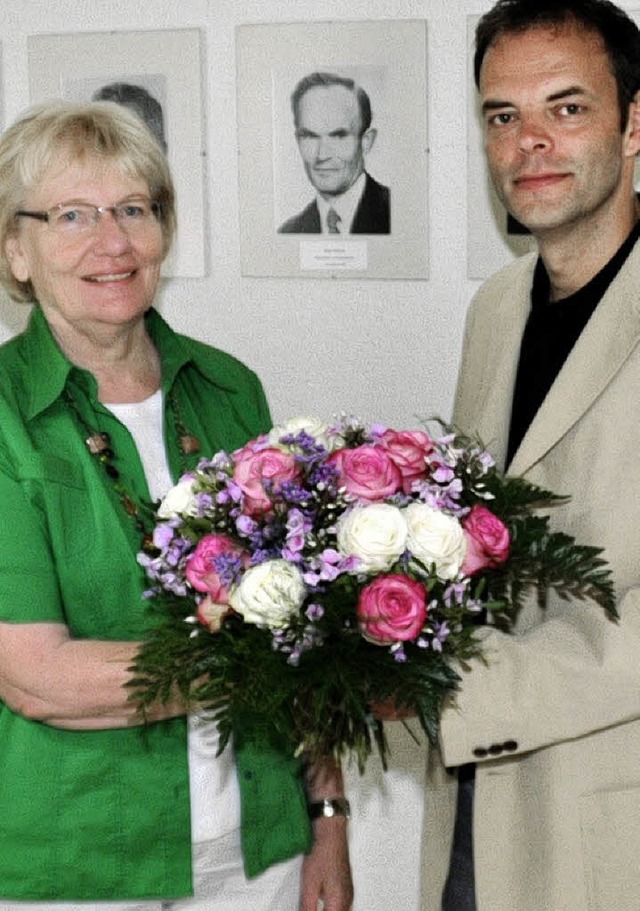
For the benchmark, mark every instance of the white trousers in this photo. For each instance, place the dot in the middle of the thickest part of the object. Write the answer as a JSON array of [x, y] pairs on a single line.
[[219, 885]]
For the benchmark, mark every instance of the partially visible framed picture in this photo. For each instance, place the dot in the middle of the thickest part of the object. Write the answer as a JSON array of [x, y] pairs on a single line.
[[285, 172], [494, 238], [155, 73]]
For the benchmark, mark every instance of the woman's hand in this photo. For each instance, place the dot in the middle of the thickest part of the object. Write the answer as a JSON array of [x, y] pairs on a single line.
[[326, 871]]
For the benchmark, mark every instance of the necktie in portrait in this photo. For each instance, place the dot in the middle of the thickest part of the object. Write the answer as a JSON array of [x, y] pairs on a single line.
[[333, 220]]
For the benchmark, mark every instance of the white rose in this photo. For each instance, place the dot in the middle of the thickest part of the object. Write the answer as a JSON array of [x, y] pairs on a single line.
[[376, 534], [313, 426], [435, 538], [269, 594], [180, 500]]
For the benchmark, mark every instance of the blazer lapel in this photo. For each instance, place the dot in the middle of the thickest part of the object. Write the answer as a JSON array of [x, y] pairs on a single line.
[[606, 342], [490, 356]]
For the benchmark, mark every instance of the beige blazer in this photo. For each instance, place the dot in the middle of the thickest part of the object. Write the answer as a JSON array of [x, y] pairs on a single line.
[[553, 719]]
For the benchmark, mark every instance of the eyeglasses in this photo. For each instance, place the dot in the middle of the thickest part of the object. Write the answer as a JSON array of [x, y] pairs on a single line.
[[71, 218]]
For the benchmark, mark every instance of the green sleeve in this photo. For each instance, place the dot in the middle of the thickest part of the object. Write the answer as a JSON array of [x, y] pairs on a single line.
[[29, 591]]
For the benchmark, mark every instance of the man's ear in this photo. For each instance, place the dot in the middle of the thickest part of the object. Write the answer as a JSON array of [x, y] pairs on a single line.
[[17, 260], [632, 131], [368, 139]]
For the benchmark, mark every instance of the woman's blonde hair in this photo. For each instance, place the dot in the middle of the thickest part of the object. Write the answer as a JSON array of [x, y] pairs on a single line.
[[100, 131]]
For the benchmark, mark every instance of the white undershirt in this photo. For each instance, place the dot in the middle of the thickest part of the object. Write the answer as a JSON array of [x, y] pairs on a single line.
[[215, 800]]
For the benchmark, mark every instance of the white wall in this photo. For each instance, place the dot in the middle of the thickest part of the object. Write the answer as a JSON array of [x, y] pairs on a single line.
[[384, 350], [380, 349]]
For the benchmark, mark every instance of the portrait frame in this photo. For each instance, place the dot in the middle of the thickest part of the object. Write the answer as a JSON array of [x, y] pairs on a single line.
[[389, 59], [167, 62], [493, 238]]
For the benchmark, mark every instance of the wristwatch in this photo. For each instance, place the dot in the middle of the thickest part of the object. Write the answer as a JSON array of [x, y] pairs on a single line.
[[330, 806]]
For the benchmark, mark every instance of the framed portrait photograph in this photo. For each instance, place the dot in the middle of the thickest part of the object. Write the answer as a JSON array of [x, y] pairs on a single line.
[[158, 75], [332, 140]]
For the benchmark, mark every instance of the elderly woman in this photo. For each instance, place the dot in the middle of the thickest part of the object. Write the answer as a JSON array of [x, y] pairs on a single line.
[[102, 406]]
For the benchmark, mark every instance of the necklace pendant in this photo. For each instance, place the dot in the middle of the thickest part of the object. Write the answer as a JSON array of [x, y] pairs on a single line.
[[147, 544], [97, 443], [129, 506], [189, 444]]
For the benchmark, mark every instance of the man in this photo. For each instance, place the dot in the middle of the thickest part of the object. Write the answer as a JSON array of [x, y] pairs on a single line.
[[332, 117], [550, 378]]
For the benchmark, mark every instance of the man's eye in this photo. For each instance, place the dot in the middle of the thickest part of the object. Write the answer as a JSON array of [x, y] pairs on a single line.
[[501, 119], [570, 110]]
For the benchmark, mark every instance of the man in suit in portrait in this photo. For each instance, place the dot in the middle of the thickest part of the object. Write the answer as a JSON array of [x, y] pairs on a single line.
[[332, 118], [550, 378]]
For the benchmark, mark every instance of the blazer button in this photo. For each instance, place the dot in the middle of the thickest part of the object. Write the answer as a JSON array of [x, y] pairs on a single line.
[[511, 746], [496, 749], [480, 752]]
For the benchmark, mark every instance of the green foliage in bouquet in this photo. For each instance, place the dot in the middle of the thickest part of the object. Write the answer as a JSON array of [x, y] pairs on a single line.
[[322, 574]]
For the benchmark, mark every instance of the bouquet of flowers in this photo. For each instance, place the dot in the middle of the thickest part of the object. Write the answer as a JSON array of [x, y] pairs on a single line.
[[323, 570]]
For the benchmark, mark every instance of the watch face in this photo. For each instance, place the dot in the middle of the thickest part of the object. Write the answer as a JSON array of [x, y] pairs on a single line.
[[330, 806]]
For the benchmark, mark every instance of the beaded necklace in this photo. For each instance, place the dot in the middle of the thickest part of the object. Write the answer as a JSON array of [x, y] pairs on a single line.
[[98, 443]]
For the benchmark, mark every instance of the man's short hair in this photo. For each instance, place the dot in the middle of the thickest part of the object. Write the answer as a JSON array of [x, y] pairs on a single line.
[[138, 99], [313, 80], [619, 33]]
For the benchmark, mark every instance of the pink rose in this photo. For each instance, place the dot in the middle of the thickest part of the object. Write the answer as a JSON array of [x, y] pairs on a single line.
[[391, 609], [200, 568], [367, 472], [408, 450], [211, 614], [254, 468], [488, 540]]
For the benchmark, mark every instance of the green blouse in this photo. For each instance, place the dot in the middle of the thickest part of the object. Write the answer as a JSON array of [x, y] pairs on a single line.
[[97, 815]]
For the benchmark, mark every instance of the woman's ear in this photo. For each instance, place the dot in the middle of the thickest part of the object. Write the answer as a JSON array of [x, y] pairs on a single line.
[[15, 254]]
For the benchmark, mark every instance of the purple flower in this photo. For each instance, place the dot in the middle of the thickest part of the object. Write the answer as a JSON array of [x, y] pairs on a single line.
[[443, 474], [377, 431], [441, 633], [204, 502], [293, 492], [324, 476], [397, 650], [246, 525], [327, 566], [297, 526], [229, 567], [314, 612], [486, 461], [162, 535], [454, 594]]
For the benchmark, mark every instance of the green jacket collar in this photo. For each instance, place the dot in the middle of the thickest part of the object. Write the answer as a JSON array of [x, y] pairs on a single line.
[[50, 369]]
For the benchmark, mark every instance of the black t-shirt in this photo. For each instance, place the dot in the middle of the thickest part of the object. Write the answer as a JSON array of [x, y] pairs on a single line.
[[551, 331]]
